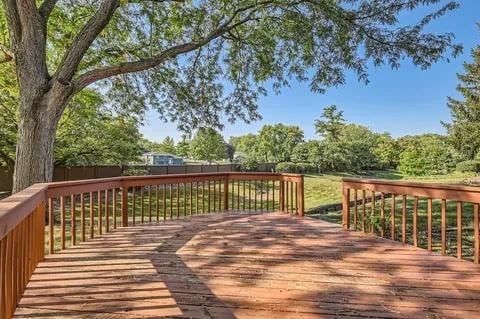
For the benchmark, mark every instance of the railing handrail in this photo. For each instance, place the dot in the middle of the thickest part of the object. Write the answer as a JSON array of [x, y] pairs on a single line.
[[428, 190], [16, 207]]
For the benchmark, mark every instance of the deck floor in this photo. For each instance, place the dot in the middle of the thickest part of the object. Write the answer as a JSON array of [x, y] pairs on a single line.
[[240, 265]]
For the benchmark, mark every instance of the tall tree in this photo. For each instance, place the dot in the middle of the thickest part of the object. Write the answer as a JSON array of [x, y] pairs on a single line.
[[464, 130], [167, 145], [331, 124], [276, 142], [174, 56], [183, 148], [208, 145]]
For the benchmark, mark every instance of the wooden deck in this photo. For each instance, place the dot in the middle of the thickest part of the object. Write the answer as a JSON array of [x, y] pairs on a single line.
[[237, 265]]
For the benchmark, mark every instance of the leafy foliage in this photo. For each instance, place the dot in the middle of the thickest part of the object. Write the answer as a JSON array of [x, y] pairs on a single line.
[[464, 130], [209, 145], [468, 166], [426, 154]]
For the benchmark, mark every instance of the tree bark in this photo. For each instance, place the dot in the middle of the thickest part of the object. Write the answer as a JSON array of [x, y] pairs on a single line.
[[34, 154]]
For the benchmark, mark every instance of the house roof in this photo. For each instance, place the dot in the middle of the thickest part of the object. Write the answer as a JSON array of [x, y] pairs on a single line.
[[162, 154]]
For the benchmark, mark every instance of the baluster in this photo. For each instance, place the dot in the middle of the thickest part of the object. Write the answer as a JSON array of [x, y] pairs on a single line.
[[429, 224], [134, 204], [249, 195], [157, 202], [73, 219], [82, 216], [107, 213], [261, 195], [444, 227], [149, 203], [90, 204], [476, 234], [114, 207], [459, 229], [203, 197], [171, 201], [51, 229], [178, 200], [372, 226], [392, 216], [268, 195], [273, 196], [164, 201], [415, 221], [214, 196], [382, 214], [364, 211], [404, 219], [62, 222], [355, 209], [99, 211], [291, 198], [208, 199], [184, 199], [197, 199], [191, 198], [243, 201], [142, 205]]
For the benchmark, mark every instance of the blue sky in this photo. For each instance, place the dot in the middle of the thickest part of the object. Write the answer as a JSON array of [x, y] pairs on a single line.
[[404, 101]]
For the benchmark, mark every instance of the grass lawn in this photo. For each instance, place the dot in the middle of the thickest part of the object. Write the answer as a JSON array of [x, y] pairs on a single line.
[[325, 188]]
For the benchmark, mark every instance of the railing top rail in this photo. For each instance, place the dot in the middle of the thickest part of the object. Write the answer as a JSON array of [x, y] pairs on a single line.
[[412, 184], [430, 190], [15, 208]]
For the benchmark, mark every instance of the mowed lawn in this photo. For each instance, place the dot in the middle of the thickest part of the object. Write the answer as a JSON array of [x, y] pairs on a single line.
[[324, 189]]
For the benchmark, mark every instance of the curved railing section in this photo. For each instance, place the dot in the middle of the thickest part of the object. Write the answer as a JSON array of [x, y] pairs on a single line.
[[47, 218], [440, 218]]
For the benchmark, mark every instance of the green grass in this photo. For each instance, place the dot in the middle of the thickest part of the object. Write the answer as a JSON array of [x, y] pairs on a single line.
[[325, 189]]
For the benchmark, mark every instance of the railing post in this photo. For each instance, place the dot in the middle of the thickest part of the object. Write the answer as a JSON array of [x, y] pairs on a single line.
[[225, 193], [345, 206], [300, 196], [281, 196], [124, 206]]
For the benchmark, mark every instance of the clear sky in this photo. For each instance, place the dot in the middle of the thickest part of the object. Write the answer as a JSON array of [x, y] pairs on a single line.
[[403, 101]]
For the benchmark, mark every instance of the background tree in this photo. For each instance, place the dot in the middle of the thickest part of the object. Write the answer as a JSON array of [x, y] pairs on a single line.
[[174, 56], [183, 148], [167, 146], [276, 142], [464, 130], [331, 124], [426, 154], [208, 145]]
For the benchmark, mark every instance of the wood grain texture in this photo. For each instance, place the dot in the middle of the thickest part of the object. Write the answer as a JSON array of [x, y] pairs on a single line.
[[243, 265]]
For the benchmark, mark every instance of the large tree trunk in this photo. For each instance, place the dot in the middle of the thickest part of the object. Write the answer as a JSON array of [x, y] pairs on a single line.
[[34, 154]]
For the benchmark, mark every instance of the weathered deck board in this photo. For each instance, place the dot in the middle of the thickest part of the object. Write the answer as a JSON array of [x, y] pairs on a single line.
[[236, 265]]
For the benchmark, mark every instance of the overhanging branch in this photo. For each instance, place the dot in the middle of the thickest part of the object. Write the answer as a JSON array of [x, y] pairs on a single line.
[[141, 65]]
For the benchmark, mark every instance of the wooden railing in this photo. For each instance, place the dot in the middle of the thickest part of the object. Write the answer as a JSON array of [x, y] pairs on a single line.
[[440, 218], [46, 218]]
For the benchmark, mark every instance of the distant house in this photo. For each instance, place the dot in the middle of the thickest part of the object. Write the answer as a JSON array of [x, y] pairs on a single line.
[[152, 158]]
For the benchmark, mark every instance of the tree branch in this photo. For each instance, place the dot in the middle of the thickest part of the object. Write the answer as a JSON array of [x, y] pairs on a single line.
[[135, 66], [46, 8], [84, 39], [13, 20]]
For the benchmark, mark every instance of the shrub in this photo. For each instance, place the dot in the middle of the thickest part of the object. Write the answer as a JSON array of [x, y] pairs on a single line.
[[468, 166], [135, 171], [249, 165], [299, 168]]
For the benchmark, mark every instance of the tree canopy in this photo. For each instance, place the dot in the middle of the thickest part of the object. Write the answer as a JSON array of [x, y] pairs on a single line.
[[464, 130], [177, 56], [208, 145]]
